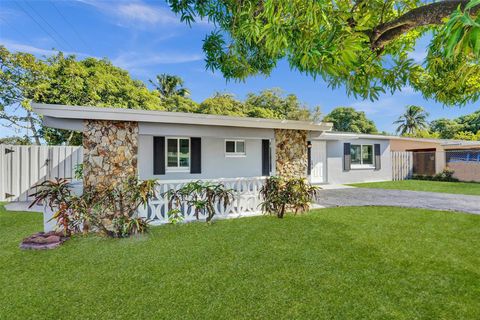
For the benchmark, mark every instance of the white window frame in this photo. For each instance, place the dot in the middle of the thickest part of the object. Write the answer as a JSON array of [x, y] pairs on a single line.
[[178, 168], [235, 154], [362, 165]]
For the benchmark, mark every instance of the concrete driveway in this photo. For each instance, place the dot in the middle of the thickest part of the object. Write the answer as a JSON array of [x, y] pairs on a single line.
[[398, 198]]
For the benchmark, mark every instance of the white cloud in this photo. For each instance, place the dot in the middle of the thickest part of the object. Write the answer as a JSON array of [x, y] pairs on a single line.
[[136, 14], [386, 106], [22, 47], [135, 60]]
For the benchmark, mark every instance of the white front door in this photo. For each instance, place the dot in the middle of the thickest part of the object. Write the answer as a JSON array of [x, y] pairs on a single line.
[[319, 161]]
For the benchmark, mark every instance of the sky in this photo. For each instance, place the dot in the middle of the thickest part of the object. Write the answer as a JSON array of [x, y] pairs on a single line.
[[146, 38]]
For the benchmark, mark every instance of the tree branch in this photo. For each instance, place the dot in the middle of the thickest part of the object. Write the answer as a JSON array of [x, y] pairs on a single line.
[[430, 14]]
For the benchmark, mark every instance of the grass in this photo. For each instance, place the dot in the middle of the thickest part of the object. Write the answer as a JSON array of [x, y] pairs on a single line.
[[471, 188], [341, 263]]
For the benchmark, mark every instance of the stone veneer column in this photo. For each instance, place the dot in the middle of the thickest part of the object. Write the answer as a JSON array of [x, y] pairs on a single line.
[[109, 152], [291, 153]]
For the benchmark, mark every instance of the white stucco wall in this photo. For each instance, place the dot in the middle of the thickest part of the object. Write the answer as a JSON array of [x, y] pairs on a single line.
[[215, 164], [336, 174]]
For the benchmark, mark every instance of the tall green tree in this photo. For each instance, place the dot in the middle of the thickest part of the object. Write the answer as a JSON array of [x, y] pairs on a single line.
[[169, 86], [223, 104], [61, 79], [347, 119], [470, 122], [412, 121], [273, 103], [269, 103], [360, 45], [446, 128]]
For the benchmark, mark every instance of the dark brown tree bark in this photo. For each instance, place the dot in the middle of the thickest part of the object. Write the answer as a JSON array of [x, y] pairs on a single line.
[[430, 14]]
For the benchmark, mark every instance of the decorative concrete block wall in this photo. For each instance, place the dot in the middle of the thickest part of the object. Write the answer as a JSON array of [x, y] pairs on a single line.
[[291, 153], [110, 152]]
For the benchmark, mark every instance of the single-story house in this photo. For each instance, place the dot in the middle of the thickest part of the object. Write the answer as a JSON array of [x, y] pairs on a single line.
[[174, 146]]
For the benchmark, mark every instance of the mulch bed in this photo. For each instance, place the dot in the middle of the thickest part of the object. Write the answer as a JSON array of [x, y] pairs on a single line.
[[42, 241]]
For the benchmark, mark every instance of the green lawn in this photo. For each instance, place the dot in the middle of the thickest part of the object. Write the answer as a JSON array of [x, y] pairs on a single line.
[[422, 185], [342, 263]]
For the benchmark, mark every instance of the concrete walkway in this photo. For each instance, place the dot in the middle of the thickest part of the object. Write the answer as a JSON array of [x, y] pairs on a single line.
[[22, 206], [399, 198]]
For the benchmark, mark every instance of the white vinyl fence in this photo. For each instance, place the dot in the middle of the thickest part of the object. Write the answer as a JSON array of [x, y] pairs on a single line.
[[21, 167], [402, 165], [246, 200]]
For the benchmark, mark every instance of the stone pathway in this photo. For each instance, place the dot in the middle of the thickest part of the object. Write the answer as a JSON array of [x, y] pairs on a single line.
[[399, 198]]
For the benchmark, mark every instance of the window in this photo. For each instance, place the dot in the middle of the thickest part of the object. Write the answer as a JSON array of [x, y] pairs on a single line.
[[235, 148], [178, 154], [362, 155]]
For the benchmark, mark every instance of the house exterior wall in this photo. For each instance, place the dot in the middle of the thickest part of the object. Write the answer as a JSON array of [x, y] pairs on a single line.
[[291, 153], [336, 174], [409, 145], [466, 171], [215, 163], [110, 152]]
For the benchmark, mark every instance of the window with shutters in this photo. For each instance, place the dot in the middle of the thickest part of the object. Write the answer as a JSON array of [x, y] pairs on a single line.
[[362, 156], [178, 154], [235, 148]]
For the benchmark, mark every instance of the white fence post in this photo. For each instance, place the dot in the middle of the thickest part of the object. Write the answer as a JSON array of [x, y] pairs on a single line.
[[402, 165], [21, 167]]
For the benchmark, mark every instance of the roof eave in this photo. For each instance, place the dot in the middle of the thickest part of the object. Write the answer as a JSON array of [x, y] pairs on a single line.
[[119, 114]]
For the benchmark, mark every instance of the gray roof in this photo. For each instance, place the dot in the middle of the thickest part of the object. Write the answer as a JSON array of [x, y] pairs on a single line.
[[68, 113]]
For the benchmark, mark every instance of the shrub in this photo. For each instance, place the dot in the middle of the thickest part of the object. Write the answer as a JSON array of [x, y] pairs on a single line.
[[118, 206], [56, 194], [175, 216], [281, 195], [446, 175], [201, 196], [112, 210]]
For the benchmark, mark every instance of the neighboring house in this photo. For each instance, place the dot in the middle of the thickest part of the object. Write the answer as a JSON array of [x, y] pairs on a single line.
[[431, 156]]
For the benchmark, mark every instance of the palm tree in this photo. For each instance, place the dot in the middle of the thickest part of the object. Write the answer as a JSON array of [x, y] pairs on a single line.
[[413, 120], [169, 86]]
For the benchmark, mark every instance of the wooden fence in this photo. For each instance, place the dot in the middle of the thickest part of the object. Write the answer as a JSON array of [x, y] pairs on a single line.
[[21, 167], [402, 165]]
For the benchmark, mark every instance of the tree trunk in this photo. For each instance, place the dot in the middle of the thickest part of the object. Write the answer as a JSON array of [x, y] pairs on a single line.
[[33, 128]]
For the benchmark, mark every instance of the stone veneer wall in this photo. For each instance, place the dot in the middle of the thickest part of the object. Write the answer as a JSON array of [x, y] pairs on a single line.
[[110, 152], [291, 153]]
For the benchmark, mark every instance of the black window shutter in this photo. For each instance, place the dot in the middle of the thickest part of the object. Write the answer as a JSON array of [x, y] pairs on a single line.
[[265, 157], [378, 162], [195, 155], [309, 157], [158, 155], [347, 158]]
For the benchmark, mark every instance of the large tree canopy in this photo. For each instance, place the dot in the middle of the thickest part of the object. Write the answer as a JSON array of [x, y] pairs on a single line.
[[363, 45], [464, 127], [347, 119], [269, 103], [63, 79]]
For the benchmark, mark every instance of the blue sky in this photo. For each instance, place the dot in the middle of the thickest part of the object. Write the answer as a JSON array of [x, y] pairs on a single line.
[[146, 38]]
